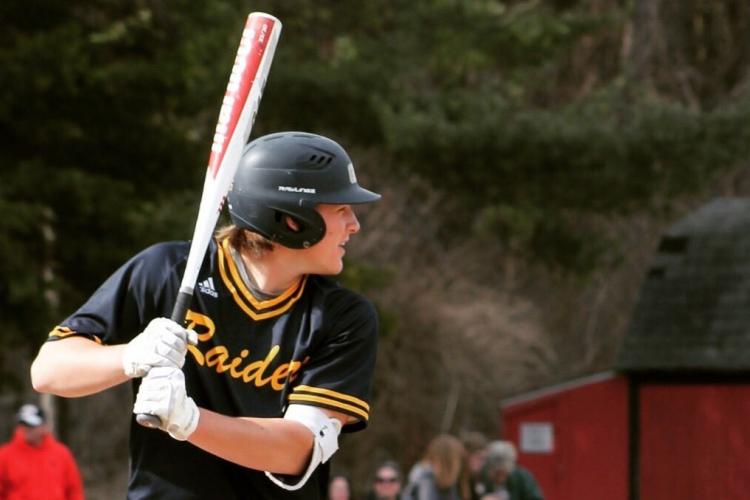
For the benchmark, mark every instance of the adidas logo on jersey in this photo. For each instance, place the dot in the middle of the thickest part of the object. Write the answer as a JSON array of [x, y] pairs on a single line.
[[207, 287]]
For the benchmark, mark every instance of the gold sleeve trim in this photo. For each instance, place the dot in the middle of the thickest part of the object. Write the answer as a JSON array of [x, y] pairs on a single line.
[[333, 394], [330, 403], [61, 332]]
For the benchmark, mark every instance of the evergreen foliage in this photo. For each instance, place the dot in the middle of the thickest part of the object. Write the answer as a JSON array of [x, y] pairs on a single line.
[[107, 109], [538, 120]]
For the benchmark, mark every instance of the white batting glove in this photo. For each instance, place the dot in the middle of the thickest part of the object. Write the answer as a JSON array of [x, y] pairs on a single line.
[[162, 343], [162, 394]]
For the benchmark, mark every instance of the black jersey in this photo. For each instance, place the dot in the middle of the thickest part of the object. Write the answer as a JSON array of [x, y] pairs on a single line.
[[314, 344]]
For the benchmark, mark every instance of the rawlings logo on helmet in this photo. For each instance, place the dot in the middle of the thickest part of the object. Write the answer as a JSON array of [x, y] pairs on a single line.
[[292, 189]]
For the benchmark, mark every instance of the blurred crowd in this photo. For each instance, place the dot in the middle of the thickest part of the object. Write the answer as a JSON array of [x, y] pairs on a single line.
[[469, 468], [451, 468]]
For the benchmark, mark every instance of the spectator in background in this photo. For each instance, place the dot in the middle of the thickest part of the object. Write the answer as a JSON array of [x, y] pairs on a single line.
[[339, 487], [438, 475], [476, 453], [504, 479], [35, 465], [386, 483]]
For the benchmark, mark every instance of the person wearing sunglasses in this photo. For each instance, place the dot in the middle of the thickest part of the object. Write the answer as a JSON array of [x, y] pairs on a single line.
[[386, 482]]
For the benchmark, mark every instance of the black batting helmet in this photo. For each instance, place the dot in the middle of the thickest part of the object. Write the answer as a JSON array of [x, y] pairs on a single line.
[[288, 173]]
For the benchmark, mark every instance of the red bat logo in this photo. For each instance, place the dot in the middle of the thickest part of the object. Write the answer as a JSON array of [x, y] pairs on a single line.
[[249, 56]]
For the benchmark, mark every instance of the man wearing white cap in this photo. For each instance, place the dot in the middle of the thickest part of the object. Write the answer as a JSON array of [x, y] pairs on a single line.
[[33, 464]]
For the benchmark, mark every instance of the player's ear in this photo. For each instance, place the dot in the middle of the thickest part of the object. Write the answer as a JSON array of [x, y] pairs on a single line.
[[292, 224]]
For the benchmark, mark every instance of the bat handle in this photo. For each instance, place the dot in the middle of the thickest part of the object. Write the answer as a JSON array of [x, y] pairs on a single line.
[[146, 420], [181, 306], [178, 316]]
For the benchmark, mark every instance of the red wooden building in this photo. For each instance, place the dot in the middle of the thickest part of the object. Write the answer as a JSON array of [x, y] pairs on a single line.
[[672, 419]]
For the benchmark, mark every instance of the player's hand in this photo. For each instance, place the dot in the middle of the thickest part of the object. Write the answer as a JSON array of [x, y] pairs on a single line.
[[162, 393], [162, 343]]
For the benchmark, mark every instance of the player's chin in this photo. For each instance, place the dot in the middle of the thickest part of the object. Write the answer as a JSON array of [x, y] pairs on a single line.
[[334, 267]]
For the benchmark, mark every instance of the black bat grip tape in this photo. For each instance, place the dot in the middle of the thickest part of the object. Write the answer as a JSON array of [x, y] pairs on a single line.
[[178, 316], [181, 306]]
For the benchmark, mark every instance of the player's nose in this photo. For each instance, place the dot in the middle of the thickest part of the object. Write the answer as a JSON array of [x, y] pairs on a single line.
[[352, 223]]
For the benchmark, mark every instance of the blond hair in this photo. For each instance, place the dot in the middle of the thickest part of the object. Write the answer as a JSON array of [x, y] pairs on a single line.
[[445, 454], [244, 241]]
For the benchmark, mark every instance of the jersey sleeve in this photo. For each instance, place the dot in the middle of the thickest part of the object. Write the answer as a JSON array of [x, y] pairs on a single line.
[[339, 374], [122, 306]]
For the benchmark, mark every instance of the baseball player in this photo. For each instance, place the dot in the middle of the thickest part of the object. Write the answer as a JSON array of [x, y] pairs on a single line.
[[276, 359]]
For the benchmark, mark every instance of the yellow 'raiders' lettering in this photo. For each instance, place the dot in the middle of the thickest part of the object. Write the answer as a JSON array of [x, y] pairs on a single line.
[[235, 362], [216, 356], [286, 370], [204, 327], [220, 359]]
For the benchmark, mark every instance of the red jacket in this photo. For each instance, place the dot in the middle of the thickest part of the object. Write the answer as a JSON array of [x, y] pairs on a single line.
[[46, 472]]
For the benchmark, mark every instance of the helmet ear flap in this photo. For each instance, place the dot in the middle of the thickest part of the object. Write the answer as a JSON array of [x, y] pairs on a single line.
[[270, 220], [293, 223], [310, 226]]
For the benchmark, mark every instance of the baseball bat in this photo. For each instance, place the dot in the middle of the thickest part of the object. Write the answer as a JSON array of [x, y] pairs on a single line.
[[236, 117]]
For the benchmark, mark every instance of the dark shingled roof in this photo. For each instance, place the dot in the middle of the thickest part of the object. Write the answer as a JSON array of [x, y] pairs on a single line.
[[693, 312]]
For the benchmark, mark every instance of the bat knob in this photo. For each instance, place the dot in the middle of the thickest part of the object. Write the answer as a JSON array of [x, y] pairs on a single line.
[[150, 421]]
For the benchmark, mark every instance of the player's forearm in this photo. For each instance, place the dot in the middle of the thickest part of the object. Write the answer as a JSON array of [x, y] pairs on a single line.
[[268, 444], [76, 367]]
